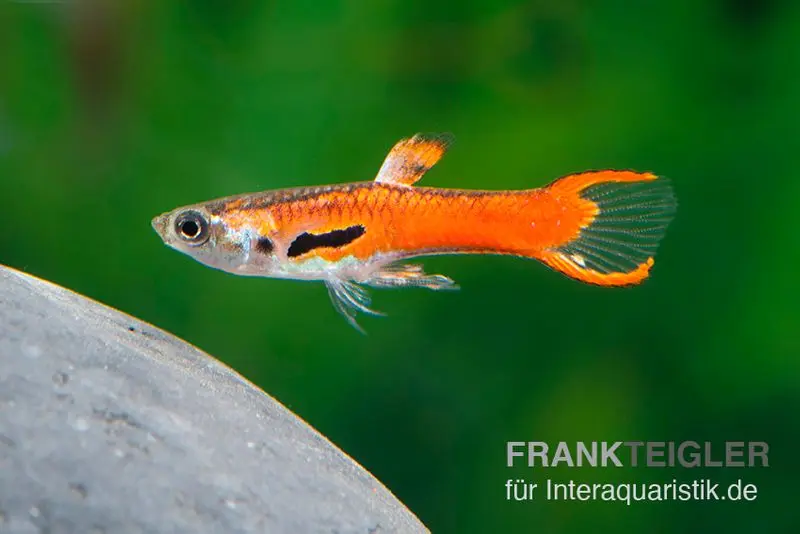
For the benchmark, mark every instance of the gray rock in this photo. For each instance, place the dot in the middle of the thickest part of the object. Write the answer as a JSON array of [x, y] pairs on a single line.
[[108, 424]]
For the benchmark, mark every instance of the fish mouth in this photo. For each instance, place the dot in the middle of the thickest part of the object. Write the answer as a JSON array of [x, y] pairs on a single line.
[[159, 224]]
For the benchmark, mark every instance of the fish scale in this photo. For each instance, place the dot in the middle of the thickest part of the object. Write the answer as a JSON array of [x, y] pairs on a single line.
[[598, 227]]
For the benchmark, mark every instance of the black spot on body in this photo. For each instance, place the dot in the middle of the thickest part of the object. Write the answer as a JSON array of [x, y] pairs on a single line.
[[306, 242], [264, 245]]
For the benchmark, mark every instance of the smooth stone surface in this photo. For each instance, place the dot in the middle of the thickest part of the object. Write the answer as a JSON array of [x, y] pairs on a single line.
[[110, 425]]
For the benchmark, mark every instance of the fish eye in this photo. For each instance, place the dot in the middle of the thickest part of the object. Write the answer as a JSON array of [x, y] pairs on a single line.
[[192, 227]]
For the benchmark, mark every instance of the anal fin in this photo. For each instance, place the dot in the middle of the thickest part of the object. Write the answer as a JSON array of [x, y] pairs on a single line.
[[350, 299], [409, 276]]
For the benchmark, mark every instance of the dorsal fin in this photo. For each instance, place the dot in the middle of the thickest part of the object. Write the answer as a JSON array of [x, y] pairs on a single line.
[[410, 158]]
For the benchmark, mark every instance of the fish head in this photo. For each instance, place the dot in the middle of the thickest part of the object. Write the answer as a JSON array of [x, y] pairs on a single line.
[[208, 236]]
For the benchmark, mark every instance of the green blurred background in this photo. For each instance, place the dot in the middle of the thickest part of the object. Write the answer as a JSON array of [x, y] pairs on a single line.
[[113, 112]]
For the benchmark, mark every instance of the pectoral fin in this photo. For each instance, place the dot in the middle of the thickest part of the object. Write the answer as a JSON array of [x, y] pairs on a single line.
[[410, 158]]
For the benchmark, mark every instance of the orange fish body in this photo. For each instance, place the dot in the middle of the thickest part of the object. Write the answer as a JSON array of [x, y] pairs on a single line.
[[597, 227]]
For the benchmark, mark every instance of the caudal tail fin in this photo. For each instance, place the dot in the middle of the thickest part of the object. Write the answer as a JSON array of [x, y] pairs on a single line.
[[626, 214]]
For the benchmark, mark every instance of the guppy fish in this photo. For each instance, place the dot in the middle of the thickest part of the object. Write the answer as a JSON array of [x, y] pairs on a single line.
[[599, 227]]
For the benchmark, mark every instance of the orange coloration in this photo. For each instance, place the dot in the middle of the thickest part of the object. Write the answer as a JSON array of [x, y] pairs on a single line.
[[409, 221], [411, 158], [575, 183], [600, 227], [570, 268]]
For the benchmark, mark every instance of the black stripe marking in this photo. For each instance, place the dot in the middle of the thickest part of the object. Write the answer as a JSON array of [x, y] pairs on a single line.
[[306, 242]]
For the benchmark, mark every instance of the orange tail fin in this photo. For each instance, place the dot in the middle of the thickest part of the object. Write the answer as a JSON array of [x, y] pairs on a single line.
[[626, 215]]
